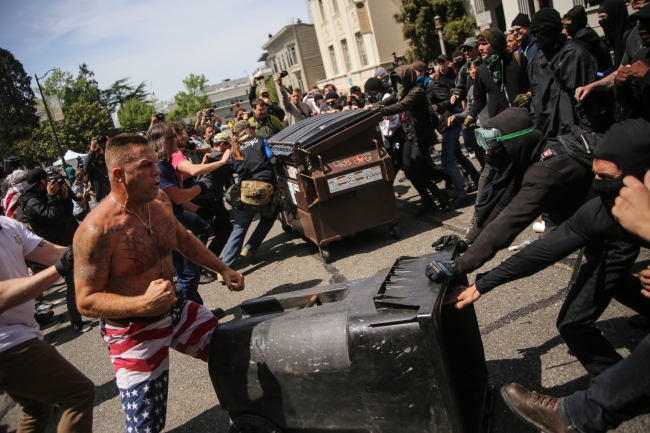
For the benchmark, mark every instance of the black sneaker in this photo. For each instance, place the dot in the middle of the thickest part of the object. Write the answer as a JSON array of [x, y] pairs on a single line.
[[43, 318], [81, 327], [460, 202]]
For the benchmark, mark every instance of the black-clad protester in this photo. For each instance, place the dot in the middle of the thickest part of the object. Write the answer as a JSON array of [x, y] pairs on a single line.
[[612, 18], [95, 166], [633, 82], [411, 99], [527, 42], [557, 70], [49, 211], [501, 81], [610, 252], [529, 176], [575, 23]]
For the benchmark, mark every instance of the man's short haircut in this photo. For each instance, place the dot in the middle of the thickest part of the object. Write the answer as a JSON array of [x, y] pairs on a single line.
[[257, 102], [190, 130], [296, 90], [330, 85], [158, 136], [178, 128], [119, 149]]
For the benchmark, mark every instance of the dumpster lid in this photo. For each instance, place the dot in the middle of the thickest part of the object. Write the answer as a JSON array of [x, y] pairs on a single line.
[[314, 129]]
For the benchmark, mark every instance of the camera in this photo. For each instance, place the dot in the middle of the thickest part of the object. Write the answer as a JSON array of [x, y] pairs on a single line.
[[283, 74], [160, 116], [54, 176], [101, 139], [396, 57], [259, 77], [190, 145]]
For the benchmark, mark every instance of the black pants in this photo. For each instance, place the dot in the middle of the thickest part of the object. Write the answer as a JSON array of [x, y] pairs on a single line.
[[221, 226], [605, 275], [71, 299], [415, 167]]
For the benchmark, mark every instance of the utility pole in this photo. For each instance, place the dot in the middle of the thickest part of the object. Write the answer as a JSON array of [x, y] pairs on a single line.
[[49, 116]]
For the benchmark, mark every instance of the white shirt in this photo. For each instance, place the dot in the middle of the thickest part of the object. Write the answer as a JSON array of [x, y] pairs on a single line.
[[16, 324]]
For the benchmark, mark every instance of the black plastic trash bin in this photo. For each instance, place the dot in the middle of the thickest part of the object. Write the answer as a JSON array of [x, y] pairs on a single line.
[[336, 177], [379, 354]]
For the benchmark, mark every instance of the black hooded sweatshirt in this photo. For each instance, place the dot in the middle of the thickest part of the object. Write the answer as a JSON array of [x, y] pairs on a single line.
[[634, 96], [615, 27], [514, 81], [625, 145], [589, 39], [412, 102]]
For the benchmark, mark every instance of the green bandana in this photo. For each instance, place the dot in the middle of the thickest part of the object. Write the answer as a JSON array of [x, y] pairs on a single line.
[[493, 64]]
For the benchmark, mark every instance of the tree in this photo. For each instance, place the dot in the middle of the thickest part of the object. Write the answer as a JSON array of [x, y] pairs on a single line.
[[119, 92], [273, 91], [135, 114], [193, 99], [17, 105], [417, 19], [57, 84]]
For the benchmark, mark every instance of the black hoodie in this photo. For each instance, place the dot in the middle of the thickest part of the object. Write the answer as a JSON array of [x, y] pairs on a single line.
[[589, 39], [615, 27]]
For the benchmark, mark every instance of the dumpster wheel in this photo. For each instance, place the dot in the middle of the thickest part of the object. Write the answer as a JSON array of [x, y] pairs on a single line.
[[325, 254], [253, 424], [393, 228]]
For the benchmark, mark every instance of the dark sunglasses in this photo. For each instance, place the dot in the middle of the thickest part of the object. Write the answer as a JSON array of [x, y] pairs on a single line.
[[440, 61], [465, 49]]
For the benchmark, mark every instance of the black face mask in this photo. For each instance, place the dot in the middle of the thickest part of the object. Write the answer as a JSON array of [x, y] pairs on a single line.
[[374, 97], [546, 40], [573, 28], [498, 158], [608, 190], [459, 64], [605, 24]]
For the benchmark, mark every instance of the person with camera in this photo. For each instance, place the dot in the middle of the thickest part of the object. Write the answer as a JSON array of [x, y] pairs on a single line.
[[95, 166], [310, 99], [294, 108], [47, 205], [157, 118], [206, 117], [252, 161], [271, 106], [266, 125], [332, 103], [32, 372], [81, 195], [356, 100]]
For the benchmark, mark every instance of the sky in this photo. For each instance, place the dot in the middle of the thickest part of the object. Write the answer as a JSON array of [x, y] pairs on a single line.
[[160, 42]]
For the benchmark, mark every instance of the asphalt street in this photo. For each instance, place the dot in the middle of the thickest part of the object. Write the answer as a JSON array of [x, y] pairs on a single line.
[[517, 322]]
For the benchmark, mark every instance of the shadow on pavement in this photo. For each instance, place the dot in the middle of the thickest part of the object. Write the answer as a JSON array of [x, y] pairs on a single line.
[[214, 420], [105, 392]]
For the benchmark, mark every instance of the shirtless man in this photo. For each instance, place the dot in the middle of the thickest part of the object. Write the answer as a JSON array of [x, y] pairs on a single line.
[[124, 273]]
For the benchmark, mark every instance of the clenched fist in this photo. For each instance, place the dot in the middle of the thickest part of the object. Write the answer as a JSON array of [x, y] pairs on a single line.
[[159, 297]]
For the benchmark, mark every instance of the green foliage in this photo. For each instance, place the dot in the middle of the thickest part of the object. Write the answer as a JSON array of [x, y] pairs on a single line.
[[135, 114], [121, 91], [57, 83], [17, 106], [192, 99], [418, 26]]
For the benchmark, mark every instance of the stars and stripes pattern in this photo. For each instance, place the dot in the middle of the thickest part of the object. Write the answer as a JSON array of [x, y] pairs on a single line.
[[140, 357]]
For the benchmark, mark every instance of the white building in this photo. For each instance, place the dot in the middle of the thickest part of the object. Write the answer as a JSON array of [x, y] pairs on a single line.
[[356, 37]]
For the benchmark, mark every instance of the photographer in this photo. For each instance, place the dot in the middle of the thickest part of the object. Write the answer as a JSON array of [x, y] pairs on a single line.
[[266, 125], [82, 193], [272, 107], [205, 118], [47, 205], [95, 166], [157, 118], [356, 99], [332, 103], [295, 109], [310, 97]]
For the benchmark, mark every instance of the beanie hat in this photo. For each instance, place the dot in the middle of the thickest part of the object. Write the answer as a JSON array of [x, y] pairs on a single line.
[[331, 95], [547, 17], [457, 54], [17, 176], [496, 38], [626, 145], [521, 20], [373, 84]]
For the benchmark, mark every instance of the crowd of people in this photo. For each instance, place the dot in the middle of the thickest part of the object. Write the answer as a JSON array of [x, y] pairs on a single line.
[[555, 116]]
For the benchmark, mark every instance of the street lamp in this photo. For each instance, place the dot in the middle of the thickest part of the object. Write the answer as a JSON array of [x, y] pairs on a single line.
[[49, 116], [438, 22]]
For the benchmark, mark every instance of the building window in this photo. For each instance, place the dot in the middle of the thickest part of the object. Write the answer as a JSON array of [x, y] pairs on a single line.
[[289, 60], [361, 47], [322, 10], [275, 67], [284, 65], [346, 54], [292, 54], [335, 6], [335, 66], [300, 84]]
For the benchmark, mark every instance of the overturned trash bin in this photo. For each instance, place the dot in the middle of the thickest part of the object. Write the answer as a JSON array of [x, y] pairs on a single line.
[[336, 177], [379, 354]]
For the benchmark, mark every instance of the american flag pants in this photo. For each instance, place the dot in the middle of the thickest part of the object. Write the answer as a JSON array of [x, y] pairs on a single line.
[[140, 357]]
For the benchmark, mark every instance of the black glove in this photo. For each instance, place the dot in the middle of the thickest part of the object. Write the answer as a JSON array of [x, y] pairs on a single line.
[[203, 186], [65, 263], [461, 244], [438, 271], [206, 214]]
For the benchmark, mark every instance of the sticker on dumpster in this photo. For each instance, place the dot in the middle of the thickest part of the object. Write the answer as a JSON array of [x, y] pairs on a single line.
[[292, 172], [351, 180], [293, 189]]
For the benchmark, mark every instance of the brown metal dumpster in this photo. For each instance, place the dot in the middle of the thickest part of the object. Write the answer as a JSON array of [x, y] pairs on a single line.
[[336, 177]]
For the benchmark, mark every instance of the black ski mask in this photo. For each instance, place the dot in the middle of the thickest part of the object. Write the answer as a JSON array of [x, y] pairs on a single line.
[[546, 25], [626, 145], [578, 17]]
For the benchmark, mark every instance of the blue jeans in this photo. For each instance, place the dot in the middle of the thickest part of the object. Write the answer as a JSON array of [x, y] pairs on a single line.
[[187, 272], [448, 158], [618, 394], [244, 215]]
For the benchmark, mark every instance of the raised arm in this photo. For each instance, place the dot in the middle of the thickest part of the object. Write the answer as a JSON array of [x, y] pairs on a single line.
[[197, 169]]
